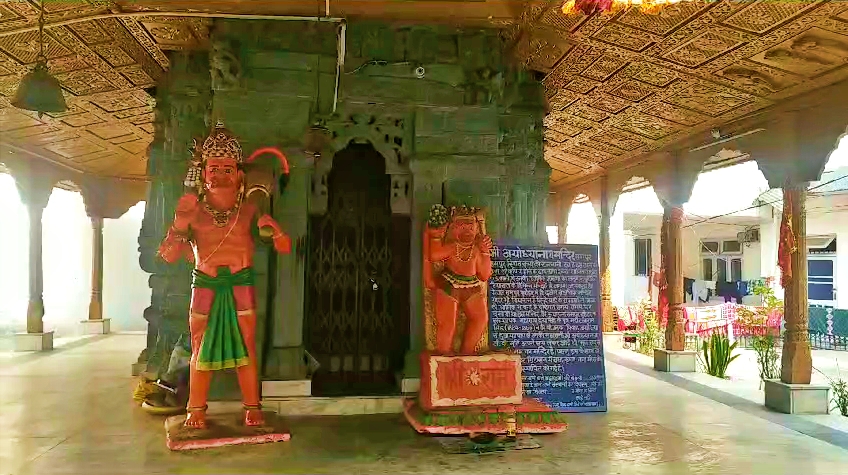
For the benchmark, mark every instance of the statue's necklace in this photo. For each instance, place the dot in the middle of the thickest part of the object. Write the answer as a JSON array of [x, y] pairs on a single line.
[[220, 218], [460, 249]]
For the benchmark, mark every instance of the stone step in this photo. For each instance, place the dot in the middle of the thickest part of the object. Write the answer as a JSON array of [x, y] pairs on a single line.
[[320, 406], [334, 406]]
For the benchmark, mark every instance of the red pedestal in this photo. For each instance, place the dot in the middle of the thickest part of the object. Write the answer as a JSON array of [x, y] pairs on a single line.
[[222, 430], [531, 417], [492, 379], [479, 393]]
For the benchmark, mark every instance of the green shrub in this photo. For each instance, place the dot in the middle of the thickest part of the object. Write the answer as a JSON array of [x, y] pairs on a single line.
[[648, 337], [768, 359], [839, 387], [717, 354]]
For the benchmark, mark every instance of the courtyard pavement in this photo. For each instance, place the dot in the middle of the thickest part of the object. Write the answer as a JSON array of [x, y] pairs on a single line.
[[71, 412]]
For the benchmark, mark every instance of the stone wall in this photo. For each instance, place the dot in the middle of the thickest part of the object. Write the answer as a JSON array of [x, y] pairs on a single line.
[[455, 123]]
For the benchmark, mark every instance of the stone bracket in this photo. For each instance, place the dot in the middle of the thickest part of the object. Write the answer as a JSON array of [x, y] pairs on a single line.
[[673, 176]]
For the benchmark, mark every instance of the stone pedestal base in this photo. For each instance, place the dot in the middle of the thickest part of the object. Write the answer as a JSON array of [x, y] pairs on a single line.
[[96, 327], [293, 388], [668, 361], [34, 341], [613, 340], [797, 398], [410, 385], [530, 417], [222, 430], [331, 406]]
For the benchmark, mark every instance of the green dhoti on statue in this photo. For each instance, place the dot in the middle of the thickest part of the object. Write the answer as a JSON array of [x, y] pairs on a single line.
[[222, 346]]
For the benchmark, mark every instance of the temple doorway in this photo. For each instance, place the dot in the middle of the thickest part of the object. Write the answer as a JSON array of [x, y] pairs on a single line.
[[357, 302]]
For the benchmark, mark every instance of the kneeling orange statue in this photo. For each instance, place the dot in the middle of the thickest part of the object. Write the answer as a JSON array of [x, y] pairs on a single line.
[[466, 388], [214, 230]]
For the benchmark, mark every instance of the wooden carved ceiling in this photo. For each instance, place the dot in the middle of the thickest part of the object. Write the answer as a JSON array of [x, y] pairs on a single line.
[[619, 86], [106, 67], [623, 85]]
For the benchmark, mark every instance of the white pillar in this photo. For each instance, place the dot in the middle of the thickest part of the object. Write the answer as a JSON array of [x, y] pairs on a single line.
[[618, 266]]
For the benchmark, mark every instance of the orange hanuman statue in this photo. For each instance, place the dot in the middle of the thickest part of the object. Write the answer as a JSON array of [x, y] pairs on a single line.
[[456, 268], [214, 230]]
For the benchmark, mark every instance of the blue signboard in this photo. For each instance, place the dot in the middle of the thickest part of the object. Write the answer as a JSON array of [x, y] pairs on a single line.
[[544, 302]]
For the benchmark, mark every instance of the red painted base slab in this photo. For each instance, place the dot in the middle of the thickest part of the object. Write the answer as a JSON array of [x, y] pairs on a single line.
[[492, 379], [532, 417], [223, 430]]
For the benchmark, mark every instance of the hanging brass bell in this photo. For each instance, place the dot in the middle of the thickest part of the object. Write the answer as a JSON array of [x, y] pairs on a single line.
[[39, 91]]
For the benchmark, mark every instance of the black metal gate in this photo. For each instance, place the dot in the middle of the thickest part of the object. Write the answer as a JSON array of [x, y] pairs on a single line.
[[357, 307]]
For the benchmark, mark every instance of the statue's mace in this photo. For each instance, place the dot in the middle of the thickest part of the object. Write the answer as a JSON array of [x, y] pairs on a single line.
[[284, 164], [264, 189]]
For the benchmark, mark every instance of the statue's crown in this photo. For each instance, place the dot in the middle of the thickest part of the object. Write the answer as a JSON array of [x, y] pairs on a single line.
[[221, 143], [465, 212]]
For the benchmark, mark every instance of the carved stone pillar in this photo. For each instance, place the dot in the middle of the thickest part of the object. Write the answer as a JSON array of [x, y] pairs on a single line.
[[791, 152], [796, 362], [607, 206], [286, 364], [182, 104], [95, 307], [675, 337], [35, 185], [673, 176], [427, 178], [105, 198], [96, 324], [35, 308]]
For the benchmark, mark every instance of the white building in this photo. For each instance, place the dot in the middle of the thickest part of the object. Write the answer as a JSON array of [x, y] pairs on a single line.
[[827, 226], [739, 246]]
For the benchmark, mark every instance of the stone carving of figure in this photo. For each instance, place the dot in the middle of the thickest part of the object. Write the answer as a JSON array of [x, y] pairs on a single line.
[[457, 266], [224, 66], [213, 230], [811, 50], [750, 78]]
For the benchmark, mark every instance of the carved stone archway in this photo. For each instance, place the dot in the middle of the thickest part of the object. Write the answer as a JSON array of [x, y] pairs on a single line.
[[389, 134]]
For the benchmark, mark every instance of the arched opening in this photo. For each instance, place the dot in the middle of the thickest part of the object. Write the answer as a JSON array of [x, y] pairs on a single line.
[[357, 299], [582, 222]]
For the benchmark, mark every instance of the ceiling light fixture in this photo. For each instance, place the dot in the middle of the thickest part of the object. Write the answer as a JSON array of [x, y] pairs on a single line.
[[38, 90]]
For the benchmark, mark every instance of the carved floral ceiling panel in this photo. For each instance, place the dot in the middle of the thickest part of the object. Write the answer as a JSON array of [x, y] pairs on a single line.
[[106, 67], [619, 85], [625, 84]]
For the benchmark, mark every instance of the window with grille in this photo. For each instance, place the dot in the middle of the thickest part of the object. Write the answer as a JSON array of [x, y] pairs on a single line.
[[643, 256]]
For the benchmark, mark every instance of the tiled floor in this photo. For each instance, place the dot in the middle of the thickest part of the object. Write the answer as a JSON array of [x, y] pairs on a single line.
[[70, 412]]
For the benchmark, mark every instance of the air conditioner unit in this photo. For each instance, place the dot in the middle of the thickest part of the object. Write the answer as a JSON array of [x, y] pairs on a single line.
[[749, 236]]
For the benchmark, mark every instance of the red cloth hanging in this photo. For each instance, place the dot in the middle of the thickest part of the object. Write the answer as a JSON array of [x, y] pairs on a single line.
[[787, 245]]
